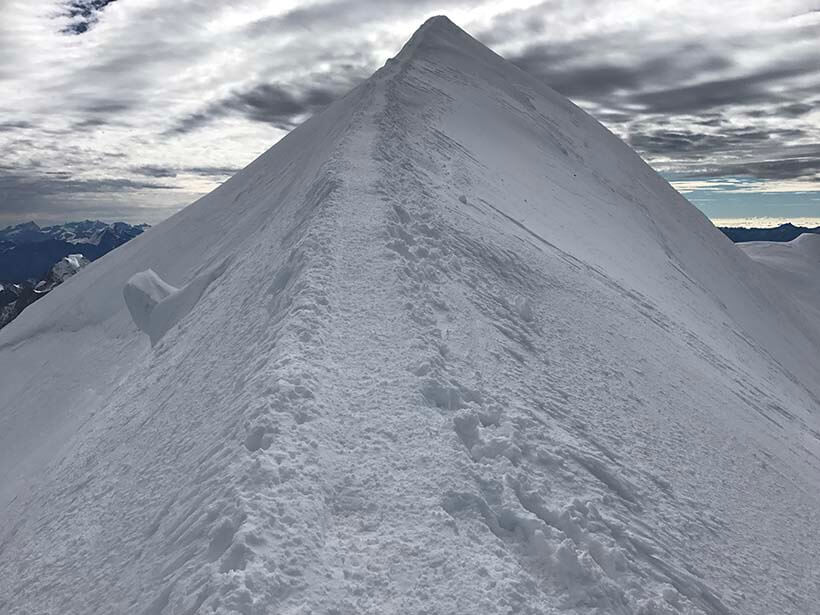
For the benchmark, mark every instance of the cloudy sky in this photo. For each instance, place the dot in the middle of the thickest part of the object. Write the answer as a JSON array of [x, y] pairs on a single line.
[[131, 109]]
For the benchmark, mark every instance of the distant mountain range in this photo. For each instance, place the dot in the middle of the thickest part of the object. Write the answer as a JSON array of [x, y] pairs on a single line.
[[28, 251], [34, 259], [784, 232]]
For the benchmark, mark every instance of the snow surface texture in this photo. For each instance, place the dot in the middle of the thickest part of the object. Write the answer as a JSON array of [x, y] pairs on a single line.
[[470, 355]]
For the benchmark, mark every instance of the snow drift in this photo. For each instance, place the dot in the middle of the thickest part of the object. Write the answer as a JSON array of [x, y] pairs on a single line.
[[469, 354], [156, 306], [794, 267]]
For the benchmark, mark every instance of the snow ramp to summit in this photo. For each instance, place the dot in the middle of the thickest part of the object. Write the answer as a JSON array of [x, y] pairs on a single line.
[[469, 354]]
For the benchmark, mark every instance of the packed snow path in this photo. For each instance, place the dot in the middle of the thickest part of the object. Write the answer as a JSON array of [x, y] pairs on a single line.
[[469, 355]]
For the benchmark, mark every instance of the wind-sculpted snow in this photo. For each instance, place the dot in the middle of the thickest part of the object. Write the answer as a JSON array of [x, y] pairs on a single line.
[[142, 293], [415, 388], [794, 267], [156, 306]]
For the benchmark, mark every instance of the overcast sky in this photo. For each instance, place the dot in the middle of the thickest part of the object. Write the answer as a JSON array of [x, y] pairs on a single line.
[[131, 109]]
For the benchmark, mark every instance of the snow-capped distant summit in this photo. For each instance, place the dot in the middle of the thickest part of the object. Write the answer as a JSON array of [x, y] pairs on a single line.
[[14, 298], [62, 269], [27, 231], [448, 347], [34, 260]]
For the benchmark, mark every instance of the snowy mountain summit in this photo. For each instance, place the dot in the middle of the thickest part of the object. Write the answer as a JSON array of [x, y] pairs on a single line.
[[448, 347]]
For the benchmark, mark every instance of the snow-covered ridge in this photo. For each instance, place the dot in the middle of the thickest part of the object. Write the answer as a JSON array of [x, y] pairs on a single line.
[[467, 353], [15, 298]]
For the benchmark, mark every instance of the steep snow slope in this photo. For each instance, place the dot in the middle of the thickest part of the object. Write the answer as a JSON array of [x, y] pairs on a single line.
[[414, 386]]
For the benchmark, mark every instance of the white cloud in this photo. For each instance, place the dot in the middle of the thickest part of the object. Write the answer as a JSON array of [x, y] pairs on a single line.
[[200, 83]]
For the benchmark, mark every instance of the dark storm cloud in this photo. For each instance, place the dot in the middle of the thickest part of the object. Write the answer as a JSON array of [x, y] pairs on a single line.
[[82, 14], [92, 122], [15, 186], [698, 144], [54, 196], [794, 109], [194, 121], [608, 116], [748, 89], [13, 126], [599, 62], [687, 142], [20, 191], [802, 167], [155, 171], [275, 105], [158, 171], [567, 69], [570, 69], [96, 113], [712, 121], [111, 106], [791, 110], [211, 171], [57, 196], [588, 82], [267, 103]]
